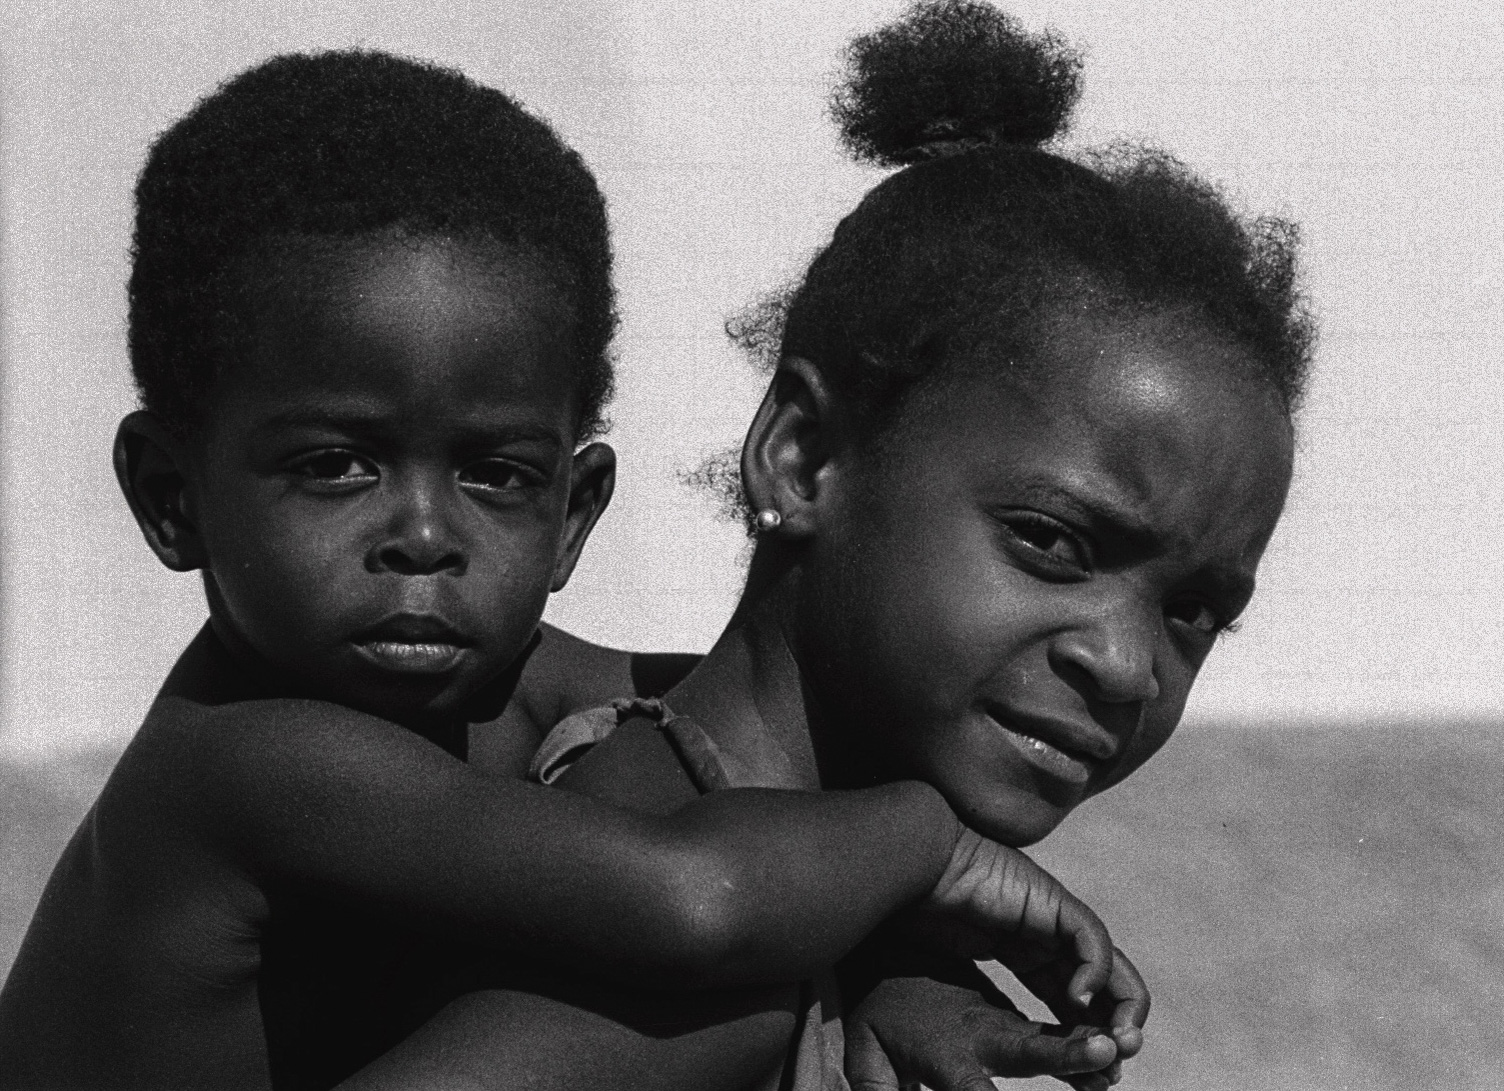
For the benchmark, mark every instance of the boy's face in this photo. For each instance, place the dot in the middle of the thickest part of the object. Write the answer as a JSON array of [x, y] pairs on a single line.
[[1019, 591], [385, 491]]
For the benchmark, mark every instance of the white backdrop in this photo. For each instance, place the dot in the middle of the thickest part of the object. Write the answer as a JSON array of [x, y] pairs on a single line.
[[1376, 125]]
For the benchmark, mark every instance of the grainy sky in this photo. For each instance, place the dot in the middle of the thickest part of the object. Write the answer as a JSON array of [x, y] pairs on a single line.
[[1377, 126]]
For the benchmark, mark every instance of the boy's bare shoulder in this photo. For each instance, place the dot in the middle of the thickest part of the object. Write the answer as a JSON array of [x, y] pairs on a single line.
[[218, 765]]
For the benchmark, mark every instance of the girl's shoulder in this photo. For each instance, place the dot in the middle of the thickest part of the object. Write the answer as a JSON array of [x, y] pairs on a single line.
[[630, 754], [565, 675]]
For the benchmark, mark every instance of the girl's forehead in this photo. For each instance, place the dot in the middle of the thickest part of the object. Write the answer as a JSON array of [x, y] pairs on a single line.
[[1153, 418], [1160, 376]]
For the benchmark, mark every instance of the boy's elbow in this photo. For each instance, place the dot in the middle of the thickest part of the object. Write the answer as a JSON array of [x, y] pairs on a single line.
[[715, 939]]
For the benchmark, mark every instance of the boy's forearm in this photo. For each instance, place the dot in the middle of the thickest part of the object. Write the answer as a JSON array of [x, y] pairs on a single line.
[[746, 886], [794, 881], [741, 886]]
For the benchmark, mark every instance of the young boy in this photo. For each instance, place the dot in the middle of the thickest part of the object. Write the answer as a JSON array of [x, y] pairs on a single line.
[[370, 311]]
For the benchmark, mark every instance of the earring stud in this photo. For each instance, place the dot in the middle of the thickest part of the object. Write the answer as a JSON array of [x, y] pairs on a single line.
[[768, 520]]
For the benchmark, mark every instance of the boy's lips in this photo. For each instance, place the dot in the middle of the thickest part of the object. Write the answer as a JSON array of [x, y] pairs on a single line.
[[412, 644], [1065, 752]]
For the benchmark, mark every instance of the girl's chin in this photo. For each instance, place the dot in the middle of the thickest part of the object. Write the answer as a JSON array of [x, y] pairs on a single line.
[[1017, 825]]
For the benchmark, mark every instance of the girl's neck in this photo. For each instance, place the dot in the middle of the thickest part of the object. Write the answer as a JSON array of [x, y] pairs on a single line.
[[750, 691]]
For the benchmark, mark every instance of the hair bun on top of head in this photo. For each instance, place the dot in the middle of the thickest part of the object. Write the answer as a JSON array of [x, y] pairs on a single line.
[[949, 76]]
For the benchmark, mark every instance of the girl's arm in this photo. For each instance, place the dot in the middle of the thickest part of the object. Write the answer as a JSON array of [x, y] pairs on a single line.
[[749, 886]]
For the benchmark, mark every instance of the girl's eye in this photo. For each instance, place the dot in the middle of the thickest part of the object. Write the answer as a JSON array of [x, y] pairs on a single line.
[[338, 468], [1052, 541], [1198, 615], [497, 475]]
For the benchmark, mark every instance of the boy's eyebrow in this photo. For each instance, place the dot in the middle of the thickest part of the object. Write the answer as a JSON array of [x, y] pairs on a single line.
[[355, 418]]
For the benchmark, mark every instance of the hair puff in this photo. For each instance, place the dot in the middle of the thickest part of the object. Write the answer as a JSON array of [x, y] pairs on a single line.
[[952, 75]]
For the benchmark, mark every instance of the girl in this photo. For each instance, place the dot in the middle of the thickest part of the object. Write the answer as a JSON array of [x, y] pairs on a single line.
[[1028, 436]]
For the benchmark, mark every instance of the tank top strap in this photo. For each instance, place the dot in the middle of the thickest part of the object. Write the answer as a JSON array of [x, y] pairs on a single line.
[[573, 737], [697, 752]]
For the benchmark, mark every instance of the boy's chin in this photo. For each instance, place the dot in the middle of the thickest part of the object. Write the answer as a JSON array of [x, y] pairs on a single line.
[[419, 700], [407, 702]]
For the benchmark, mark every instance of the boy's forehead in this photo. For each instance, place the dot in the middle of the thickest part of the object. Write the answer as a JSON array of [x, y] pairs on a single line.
[[408, 319], [406, 281]]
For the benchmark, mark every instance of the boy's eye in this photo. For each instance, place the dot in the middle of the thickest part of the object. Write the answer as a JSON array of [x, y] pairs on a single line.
[[1048, 540], [337, 468], [498, 475]]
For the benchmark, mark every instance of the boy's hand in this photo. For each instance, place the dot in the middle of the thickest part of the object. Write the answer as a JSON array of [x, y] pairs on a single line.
[[993, 902], [952, 1037]]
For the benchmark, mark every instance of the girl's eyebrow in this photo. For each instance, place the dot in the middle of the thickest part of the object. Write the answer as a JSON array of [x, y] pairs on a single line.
[[1232, 582], [1100, 513]]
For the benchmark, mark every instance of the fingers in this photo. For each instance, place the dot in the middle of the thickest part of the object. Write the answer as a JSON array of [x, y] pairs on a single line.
[[867, 1065], [1039, 1054], [1093, 1081], [1132, 1009], [1129, 1040], [970, 1079], [1093, 947], [1035, 1054]]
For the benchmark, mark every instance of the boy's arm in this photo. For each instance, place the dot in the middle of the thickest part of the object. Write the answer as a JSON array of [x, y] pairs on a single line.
[[736, 887], [564, 1035], [559, 1034]]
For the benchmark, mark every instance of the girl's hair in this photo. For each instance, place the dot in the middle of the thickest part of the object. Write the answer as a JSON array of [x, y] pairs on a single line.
[[340, 145], [982, 236]]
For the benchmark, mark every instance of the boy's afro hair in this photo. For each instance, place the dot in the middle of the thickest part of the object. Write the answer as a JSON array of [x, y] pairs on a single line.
[[339, 145]]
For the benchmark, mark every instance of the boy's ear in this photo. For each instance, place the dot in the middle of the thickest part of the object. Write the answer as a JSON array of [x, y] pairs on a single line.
[[787, 456], [149, 464], [592, 481]]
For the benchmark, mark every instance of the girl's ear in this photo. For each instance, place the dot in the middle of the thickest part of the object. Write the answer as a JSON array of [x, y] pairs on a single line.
[[150, 466], [786, 460], [592, 481]]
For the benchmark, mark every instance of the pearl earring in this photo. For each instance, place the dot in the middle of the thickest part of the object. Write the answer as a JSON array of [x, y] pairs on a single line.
[[768, 520]]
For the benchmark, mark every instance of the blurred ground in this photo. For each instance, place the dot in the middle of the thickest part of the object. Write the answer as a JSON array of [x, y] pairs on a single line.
[[1314, 908]]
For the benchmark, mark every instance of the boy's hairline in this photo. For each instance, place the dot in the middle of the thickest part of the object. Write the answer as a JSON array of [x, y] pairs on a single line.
[[525, 259]]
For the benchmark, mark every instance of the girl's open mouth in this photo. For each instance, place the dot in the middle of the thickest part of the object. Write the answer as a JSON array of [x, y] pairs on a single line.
[[1052, 754]]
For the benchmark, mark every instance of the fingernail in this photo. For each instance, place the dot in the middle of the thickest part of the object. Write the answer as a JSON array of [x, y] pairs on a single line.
[[1084, 999]]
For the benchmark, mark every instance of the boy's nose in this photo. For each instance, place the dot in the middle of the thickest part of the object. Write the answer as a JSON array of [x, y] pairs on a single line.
[[1114, 658], [418, 540]]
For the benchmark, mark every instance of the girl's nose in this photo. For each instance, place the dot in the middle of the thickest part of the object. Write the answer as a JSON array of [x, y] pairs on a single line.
[[419, 538], [1113, 657]]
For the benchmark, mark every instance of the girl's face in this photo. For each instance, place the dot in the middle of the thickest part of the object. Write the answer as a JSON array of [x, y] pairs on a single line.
[[1016, 584]]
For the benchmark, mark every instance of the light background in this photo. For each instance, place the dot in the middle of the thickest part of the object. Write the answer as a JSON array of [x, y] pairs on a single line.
[[1316, 889], [1378, 126]]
